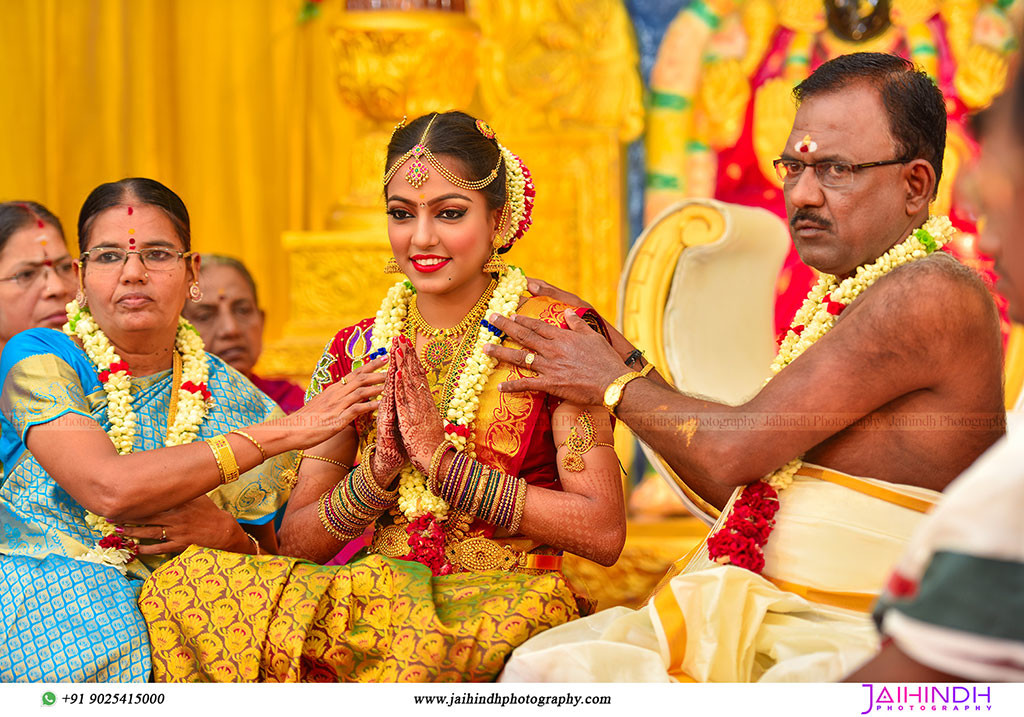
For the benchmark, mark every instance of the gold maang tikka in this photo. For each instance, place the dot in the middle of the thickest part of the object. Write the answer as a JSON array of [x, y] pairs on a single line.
[[418, 173]]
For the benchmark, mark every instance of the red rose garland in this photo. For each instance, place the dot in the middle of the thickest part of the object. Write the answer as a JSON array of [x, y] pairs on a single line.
[[741, 540]]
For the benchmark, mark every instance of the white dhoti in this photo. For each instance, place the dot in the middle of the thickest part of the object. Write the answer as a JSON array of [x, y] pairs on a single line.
[[806, 618]]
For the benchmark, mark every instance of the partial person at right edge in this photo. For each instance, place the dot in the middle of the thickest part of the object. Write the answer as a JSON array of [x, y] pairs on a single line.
[[952, 607]]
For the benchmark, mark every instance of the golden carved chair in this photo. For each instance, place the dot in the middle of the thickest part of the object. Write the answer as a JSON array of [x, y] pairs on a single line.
[[697, 294]]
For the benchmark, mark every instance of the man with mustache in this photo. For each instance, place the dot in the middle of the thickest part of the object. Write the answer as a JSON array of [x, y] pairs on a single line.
[[886, 387]]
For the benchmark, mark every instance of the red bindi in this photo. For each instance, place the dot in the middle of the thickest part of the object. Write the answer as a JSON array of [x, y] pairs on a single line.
[[130, 211]]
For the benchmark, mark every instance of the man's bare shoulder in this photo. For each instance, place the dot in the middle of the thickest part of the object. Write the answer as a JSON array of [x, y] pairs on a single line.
[[936, 293]]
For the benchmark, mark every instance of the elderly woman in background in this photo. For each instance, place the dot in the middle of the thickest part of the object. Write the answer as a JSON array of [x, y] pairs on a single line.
[[121, 441], [230, 320], [36, 278]]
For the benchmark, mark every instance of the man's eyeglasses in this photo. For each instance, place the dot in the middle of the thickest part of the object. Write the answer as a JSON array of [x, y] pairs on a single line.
[[829, 174], [31, 274], [112, 258]]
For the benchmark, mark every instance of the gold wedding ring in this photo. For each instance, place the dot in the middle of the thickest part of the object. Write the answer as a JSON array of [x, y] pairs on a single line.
[[344, 380], [530, 358], [163, 534]]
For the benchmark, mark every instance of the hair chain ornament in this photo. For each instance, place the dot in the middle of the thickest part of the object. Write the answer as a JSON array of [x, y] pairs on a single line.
[[741, 539], [188, 401], [516, 214]]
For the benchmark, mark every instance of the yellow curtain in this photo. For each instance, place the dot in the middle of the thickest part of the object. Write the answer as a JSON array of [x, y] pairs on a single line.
[[229, 102]]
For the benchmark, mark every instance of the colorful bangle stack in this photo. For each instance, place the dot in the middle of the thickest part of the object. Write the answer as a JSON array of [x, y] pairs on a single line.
[[485, 492], [225, 457], [355, 502]]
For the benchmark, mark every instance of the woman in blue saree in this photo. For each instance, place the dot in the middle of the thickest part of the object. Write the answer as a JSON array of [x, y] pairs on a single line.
[[121, 443]]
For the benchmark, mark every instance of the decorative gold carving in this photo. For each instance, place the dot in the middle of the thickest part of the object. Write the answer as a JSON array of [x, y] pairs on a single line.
[[980, 76], [912, 12], [759, 20], [774, 112], [723, 96], [560, 65], [480, 554], [802, 15], [389, 63]]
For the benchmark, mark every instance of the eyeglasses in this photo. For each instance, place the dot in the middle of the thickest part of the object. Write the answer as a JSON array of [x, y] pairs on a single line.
[[829, 174], [112, 258], [30, 275]]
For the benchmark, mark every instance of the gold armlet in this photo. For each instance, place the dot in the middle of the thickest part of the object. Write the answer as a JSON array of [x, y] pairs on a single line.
[[225, 457], [581, 439]]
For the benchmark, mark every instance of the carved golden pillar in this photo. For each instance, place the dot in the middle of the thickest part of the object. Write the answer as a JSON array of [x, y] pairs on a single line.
[[387, 64]]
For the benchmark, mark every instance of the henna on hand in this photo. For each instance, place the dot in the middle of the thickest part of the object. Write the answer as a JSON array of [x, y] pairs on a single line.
[[419, 422], [389, 456]]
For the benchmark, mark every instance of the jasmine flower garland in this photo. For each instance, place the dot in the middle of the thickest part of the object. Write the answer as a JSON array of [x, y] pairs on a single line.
[[115, 375]]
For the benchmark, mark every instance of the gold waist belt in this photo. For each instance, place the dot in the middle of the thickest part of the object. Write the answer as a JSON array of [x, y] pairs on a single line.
[[475, 554]]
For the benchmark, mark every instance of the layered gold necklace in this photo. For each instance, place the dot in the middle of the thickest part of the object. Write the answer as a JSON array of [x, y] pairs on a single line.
[[441, 344]]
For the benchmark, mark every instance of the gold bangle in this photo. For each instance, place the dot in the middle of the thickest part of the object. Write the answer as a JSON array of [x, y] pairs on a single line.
[[322, 513], [303, 454], [255, 543], [369, 491], [253, 441], [225, 457], [433, 479], [520, 506]]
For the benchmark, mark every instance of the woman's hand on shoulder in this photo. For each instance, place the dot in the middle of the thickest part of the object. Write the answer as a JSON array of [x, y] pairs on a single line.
[[338, 405], [195, 522]]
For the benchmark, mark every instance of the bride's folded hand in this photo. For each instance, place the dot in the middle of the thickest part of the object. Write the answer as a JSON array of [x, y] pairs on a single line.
[[418, 420], [338, 405], [389, 453]]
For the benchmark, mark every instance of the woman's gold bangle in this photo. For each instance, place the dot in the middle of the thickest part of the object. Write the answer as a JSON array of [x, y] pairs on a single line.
[[303, 454], [225, 457], [255, 543], [253, 441]]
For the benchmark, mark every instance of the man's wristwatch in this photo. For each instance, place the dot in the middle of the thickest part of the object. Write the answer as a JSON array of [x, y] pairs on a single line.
[[613, 394]]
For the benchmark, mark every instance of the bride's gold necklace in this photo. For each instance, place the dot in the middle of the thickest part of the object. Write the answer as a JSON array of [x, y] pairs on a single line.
[[440, 347]]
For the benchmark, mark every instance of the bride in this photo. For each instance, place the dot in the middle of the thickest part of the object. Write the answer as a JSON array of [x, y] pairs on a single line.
[[473, 494]]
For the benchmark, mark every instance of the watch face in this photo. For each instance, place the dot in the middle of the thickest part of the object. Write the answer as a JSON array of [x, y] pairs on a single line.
[[612, 395]]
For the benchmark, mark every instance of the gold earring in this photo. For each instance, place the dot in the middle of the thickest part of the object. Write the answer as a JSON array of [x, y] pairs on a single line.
[[495, 264], [195, 293], [392, 267], [80, 298]]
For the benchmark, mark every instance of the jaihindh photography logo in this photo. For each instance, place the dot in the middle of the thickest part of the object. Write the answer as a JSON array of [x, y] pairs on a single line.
[[927, 698]]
